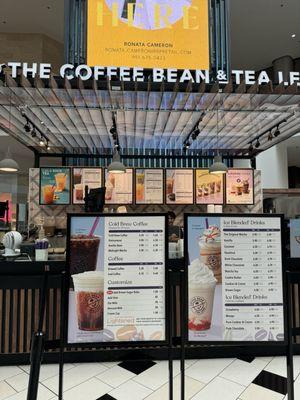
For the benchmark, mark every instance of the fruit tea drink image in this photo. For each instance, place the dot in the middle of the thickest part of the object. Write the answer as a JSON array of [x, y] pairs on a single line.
[[210, 250], [202, 285], [61, 182], [83, 253], [140, 186], [48, 194], [89, 295]]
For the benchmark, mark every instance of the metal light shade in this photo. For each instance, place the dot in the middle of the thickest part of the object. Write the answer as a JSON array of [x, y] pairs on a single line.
[[218, 167], [116, 167], [8, 164]]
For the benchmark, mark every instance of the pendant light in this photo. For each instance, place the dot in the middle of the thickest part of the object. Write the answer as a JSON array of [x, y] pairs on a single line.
[[8, 164], [218, 167], [116, 166]]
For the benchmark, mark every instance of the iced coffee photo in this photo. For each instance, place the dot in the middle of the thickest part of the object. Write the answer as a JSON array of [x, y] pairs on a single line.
[[83, 253], [89, 292]]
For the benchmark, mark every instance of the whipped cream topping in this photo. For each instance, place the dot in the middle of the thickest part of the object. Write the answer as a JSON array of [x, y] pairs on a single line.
[[211, 234], [200, 275]]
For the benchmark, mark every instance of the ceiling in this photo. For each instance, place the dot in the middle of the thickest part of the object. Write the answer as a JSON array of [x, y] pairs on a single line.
[[260, 30]]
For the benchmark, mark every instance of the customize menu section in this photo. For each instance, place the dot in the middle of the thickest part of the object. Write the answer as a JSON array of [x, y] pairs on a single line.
[[252, 278], [134, 280]]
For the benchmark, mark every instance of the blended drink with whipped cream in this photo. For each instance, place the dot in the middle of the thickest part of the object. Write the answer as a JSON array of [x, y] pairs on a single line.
[[89, 293], [202, 285], [210, 250]]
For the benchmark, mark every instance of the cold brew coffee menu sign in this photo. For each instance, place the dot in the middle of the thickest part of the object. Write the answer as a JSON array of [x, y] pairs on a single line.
[[235, 289], [117, 266]]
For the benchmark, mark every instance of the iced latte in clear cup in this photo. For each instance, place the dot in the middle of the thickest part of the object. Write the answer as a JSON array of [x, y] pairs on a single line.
[[89, 292], [202, 284]]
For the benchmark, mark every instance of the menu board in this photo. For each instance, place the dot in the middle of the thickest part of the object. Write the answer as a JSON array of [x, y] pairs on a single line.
[[149, 186], [235, 285], [295, 238], [119, 187], [209, 187], [90, 177], [55, 186], [117, 285], [179, 186], [240, 186]]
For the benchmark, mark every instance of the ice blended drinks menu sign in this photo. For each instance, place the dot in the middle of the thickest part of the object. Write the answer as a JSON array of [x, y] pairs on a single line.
[[119, 187], [209, 187], [149, 186], [117, 267], [239, 186], [55, 186], [234, 278], [90, 177], [179, 186]]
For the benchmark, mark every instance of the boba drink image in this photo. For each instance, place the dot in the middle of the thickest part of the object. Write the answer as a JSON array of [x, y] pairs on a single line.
[[89, 297], [83, 253]]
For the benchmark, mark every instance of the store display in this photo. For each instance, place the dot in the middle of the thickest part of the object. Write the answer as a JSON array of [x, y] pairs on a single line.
[[117, 286], [149, 186], [55, 186], [179, 186], [295, 238], [240, 186], [235, 284], [119, 187], [209, 187], [90, 177]]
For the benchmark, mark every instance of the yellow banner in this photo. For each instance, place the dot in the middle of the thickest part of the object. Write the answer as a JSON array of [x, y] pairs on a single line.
[[148, 33]]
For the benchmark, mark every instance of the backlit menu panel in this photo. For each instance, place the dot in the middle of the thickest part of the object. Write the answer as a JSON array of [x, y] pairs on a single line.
[[179, 186]]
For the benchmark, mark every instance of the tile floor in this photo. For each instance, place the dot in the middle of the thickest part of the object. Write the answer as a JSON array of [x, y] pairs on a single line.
[[248, 378]]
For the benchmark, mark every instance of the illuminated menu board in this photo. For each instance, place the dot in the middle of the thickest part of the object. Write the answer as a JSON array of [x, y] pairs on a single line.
[[119, 187], [179, 186], [117, 288], [90, 177], [149, 186], [240, 186], [55, 186], [235, 280], [209, 187]]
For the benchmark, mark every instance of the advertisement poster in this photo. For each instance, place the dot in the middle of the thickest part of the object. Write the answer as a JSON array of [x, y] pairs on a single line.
[[209, 187], [149, 186], [148, 33], [295, 237], [239, 186], [90, 177], [179, 186], [119, 187], [234, 278], [55, 186], [117, 268]]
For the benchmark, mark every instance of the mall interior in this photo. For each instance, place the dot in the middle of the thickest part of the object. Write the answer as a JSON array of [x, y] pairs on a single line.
[[150, 200]]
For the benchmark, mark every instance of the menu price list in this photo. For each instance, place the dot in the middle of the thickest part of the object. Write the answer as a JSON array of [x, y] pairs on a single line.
[[134, 302], [252, 287]]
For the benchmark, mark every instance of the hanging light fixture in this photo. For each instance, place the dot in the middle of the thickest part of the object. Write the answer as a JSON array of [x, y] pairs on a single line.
[[116, 166], [8, 164], [218, 167]]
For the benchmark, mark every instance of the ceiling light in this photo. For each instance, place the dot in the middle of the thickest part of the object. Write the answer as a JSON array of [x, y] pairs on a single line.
[[116, 167], [33, 132], [48, 146], [218, 167], [112, 130], [270, 136], [42, 141], [277, 132], [251, 148], [293, 35], [8, 164], [195, 134], [187, 145], [257, 144], [27, 127]]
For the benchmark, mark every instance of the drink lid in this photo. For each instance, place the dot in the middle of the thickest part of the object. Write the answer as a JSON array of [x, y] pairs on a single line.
[[90, 280]]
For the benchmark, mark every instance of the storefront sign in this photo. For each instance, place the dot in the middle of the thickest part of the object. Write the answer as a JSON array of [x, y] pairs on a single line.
[[55, 186], [138, 74], [149, 186], [209, 187], [239, 186], [119, 187], [235, 286], [148, 33], [179, 187], [117, 268], [90, 177]]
